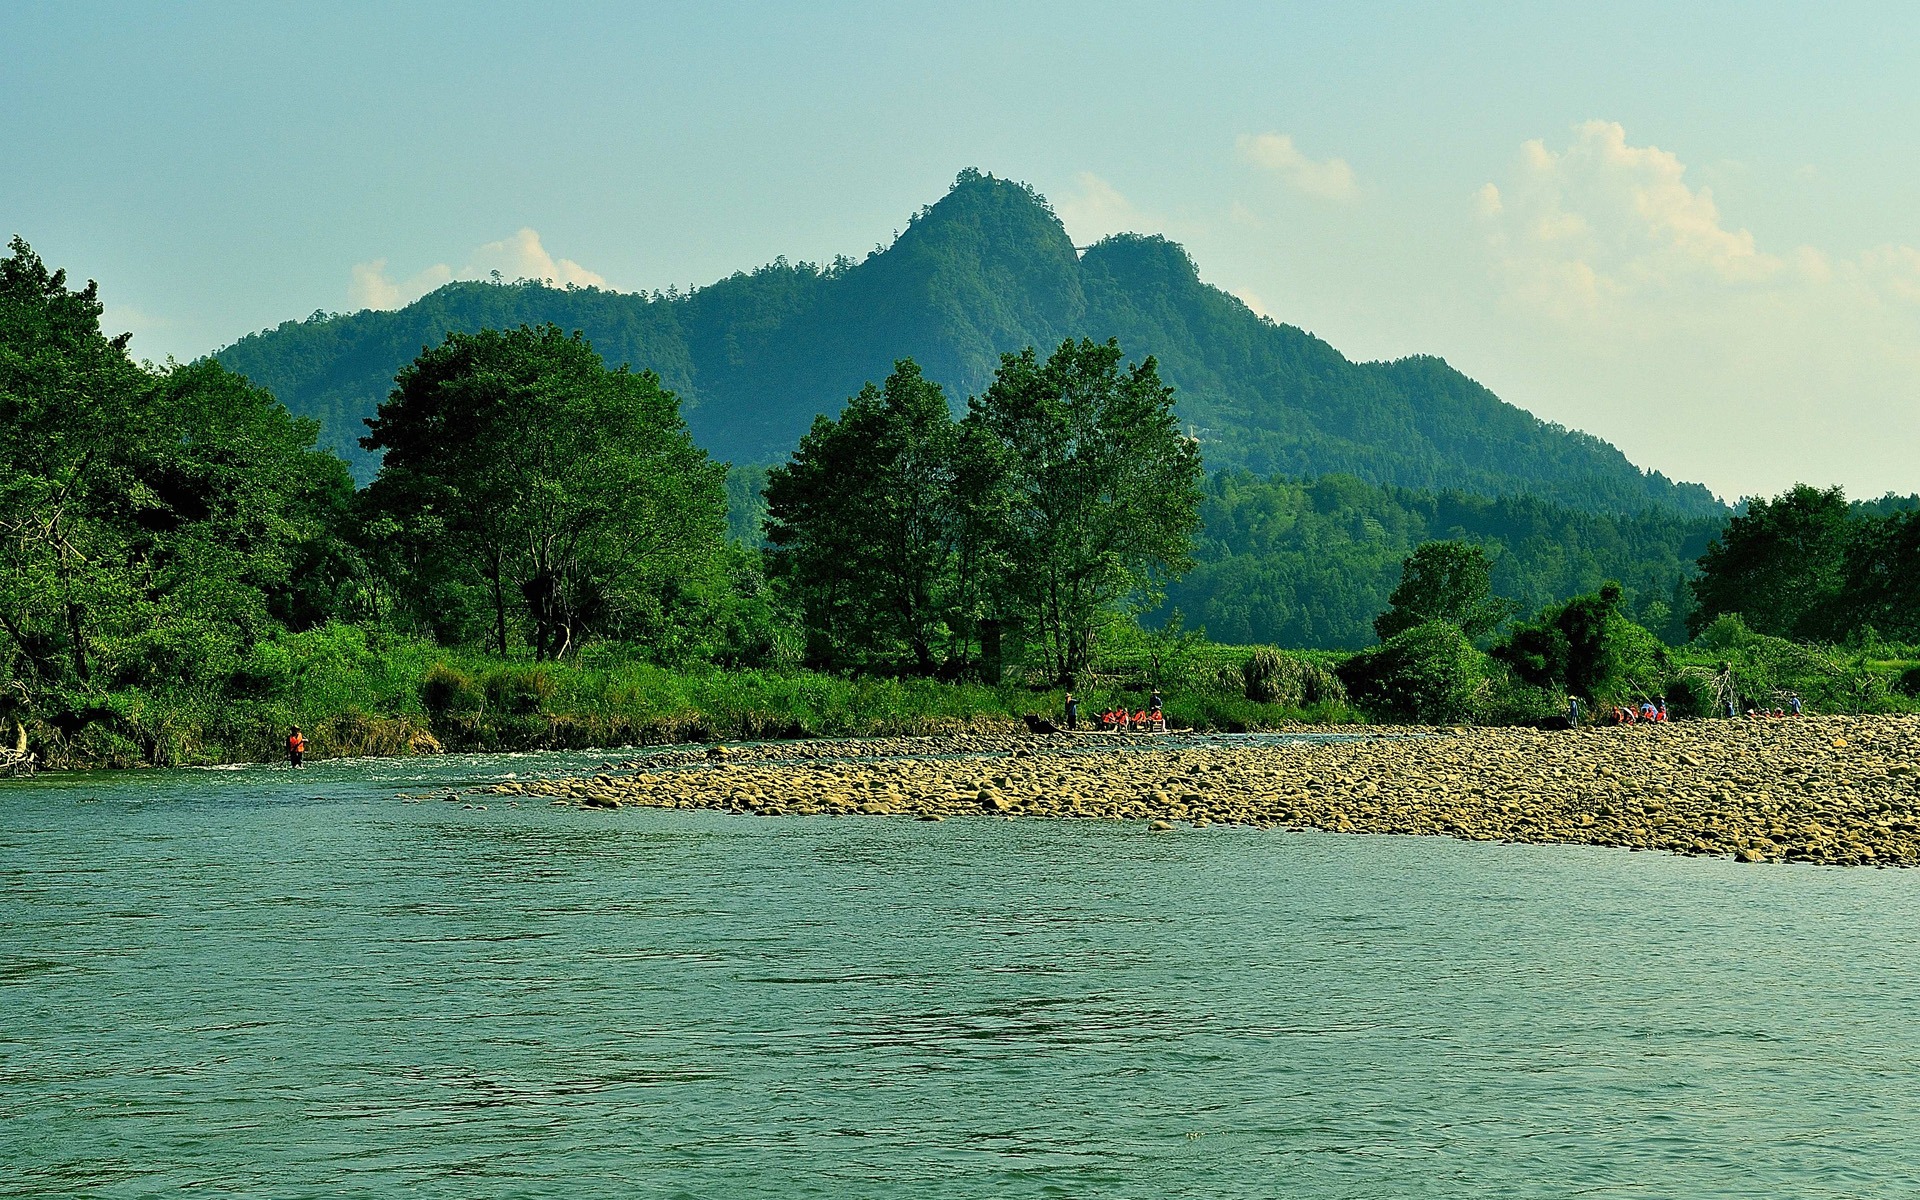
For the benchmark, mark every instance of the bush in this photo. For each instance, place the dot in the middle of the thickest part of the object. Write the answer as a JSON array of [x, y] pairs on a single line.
[[1430, 673], [1271, 677], [1909, 683], [522, 691], [1588, 647], [447, 690]]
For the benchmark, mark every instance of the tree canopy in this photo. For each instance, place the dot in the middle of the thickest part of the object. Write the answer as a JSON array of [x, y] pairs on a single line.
[[1445, 581], [520, 470], [862, 525], [1097, 490], [156, 522]]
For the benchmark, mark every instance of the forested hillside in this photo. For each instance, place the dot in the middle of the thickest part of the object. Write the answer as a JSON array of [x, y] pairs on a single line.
[[1312, 563], [989, 269]]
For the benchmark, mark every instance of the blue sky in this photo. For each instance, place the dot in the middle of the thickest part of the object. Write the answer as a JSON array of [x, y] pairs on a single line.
[[1690, 233]]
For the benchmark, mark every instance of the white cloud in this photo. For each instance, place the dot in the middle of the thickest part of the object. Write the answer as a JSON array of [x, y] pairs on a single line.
[[1698, 348], [1329, 180], [1094, 209], [518, 257], [1252, 300], [1605, 220]]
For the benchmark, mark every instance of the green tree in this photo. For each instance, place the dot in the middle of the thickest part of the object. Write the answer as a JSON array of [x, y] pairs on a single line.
[[1882, 589], [518, 466], [1781, 565], [156, 523], [1429, 673], [1094, 491], [1589, 647], [1445, 581], [862, 525]]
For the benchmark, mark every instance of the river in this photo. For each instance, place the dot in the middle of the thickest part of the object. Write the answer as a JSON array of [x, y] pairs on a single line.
[[273, 983]]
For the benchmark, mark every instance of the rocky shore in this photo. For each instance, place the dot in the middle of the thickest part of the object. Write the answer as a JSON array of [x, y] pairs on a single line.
[[1833, 790]]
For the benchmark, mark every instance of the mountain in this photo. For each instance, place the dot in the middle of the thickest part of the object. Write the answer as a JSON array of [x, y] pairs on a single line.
[[988, 269]]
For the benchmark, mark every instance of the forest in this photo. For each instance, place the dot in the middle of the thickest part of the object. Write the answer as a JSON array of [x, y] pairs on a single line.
[[547, 557]]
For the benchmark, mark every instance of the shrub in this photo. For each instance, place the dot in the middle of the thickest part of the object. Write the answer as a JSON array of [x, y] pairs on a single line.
[[447, 689], [522, 691], [1587, 646], [1429, 673], [1270, 677]]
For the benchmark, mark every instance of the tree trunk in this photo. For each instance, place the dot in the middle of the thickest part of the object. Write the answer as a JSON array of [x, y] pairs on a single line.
[[499, 611], [76, 630]]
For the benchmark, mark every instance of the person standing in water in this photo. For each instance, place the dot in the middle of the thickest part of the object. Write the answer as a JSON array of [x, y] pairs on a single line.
[[1073, 712], [296, 746]]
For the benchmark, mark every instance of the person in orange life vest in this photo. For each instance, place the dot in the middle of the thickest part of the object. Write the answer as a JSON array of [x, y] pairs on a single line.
[[296, 746]]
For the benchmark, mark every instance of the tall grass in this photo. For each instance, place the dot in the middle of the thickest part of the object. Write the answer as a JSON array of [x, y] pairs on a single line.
[[354, 691]]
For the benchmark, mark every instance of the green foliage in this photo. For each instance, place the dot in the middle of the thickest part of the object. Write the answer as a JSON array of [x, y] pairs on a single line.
[[1731, 662], [1445, 581], [1807, 565], [520, 690], [521, 475], [1270, 676], [863, 525], [987, 270], [1089, 493], [747, 505], [1587, 647], [1909, 684], [1779, 564], [1311, 563], [1430, 673], [448, 690], [157, 524]]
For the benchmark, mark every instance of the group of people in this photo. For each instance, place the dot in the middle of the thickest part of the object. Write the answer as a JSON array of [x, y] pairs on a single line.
[[1648, 712], [1754, 713], [1150, 719]]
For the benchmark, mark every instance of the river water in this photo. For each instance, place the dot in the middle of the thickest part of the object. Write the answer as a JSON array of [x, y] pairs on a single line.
[[268, 983]]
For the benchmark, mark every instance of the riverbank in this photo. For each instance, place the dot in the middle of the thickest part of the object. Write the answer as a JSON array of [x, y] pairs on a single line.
[[1832, 790]]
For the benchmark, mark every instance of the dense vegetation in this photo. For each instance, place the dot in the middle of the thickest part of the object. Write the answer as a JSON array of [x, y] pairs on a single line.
[[988, 270], [544, 560], [907, 540], [1808, 565], [1313, 562]]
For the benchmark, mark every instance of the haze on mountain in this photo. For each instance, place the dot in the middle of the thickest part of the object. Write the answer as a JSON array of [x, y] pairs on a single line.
[[987, 270]]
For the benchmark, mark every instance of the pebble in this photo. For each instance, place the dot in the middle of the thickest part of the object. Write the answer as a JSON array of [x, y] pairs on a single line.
[[1761, 791]]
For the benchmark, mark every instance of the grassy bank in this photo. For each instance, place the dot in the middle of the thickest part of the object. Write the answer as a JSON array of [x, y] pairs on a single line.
[[357, 692]]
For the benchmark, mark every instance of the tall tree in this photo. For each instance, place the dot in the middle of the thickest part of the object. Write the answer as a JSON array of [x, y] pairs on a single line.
[[1781, 565], [862, 525], [1882, 576], [1445, 581], [1096, 491], [155, 523], [570, 493]]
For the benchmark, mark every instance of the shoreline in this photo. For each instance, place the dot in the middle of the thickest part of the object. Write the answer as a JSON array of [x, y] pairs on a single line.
[[1840, 790]]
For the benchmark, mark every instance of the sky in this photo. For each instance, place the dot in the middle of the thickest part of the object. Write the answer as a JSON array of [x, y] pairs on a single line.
[[1692, 233]]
